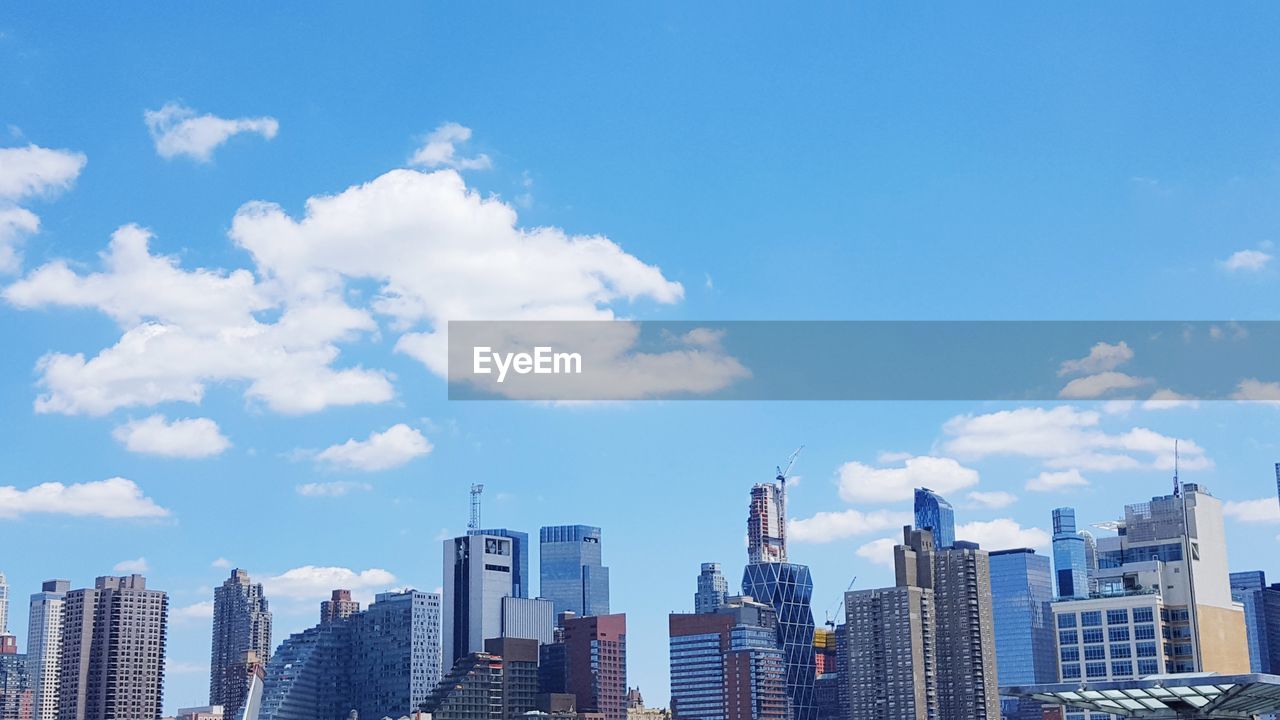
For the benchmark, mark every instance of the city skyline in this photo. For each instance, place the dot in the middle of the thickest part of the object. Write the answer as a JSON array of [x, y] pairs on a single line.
[[229, 242]]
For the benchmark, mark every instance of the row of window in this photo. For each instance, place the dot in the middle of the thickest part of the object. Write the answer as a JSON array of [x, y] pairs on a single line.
[[1119, 668], [1115, 616]]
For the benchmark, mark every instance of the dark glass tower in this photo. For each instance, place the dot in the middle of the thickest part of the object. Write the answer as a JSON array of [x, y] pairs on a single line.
[[935, 514], [788, 589], [1026, 649], [1070, 566]]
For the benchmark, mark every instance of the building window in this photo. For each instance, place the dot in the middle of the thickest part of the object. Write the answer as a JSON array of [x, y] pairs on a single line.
[[1118, 616], [1143, 615], [1144, 632], [1066, 620], [1092, 618], [1092, 635], [1071, 671], [1094, 652], [1095, 669], [1068, 637], [1148, 667], [1071, 654], [1146, 649], [1118, 634], [1124, 667]]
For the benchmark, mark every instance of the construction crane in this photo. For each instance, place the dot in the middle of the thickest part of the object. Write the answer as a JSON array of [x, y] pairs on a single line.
[[473, 525], [838, 610], [782, 497]]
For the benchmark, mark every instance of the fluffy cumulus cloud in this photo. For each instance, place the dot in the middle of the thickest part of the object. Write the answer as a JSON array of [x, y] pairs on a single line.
[[186, 438], [1101, 385], [1002, 534], [1101, 358], [431, 248], [867, 483], [1255, 390], [1166, 399], [440, 149], [828, 526], [202, 610], [879, 551], [993, 500], [331, 489], [113, 498], [384, 450], [1048, 481], [1262, 510], [1066, 437], [178, 130], [137, 565], [1246, 261], [26, 173], [310, 582]]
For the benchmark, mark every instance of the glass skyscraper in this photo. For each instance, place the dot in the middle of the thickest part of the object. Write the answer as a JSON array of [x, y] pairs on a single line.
[[788, 589], [1026, 650], [1069, 562], [571, 572], [712, 589], [935, 514]]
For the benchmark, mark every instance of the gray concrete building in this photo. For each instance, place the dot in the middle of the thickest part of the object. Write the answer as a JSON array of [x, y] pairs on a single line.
[[241, 640]]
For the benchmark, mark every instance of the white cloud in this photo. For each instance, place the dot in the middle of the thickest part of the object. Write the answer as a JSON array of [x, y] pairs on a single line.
[[440, 150], [196, 611], [859, 482], [1255, 390], [316, 583], [879, 551], [28, 172], [186, 438], [178, 130], [391, 448], [1101, 384], [185, 667], [1056, 481], [221, 563], [1166, 399], [331, 489], [1066, 437], [1246, 261], [1002, 534], [1101, 358], [114, 498], [993, 500], [137, 565], [828, 526], [434, 249], [1262, 510]]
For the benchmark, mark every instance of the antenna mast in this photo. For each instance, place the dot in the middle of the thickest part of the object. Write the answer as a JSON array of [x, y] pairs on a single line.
[[473, 525], [1177, 486]]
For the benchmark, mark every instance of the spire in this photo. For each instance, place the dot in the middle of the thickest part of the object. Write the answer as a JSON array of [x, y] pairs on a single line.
[[1177, 486]]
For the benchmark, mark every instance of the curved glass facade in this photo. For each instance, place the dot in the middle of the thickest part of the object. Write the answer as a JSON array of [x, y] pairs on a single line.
[[788, 589], [935, 514]]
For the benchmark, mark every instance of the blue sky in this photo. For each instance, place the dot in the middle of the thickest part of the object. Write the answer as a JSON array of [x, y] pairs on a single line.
[[824, 162]]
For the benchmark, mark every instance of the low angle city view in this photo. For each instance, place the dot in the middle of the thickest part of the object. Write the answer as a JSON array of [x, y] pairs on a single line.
[[669, 361]]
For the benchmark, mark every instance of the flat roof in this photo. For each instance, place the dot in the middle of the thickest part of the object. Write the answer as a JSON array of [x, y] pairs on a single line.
[[1201, 695]]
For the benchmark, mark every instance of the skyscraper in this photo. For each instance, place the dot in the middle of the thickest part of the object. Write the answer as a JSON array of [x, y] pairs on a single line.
[[477, 576], [1026, 650], [572, 574], [44, 647], [395, 651], [1261, 617], [935, 514], [113, 643], [788, 589], [15, 684], [726, 665], [1069, 562], [713, 588], [339, 606], [520, 579], [241, 637], [4, 604], [892, 670], [1090, 559], [519, 674], [595, 650], [309, 675]]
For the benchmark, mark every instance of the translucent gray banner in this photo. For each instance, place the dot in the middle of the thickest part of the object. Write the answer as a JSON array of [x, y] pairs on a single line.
[[1157, 361]]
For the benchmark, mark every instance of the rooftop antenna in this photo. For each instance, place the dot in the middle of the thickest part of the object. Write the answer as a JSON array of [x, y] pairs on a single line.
[[1177, 486], [473, 525]]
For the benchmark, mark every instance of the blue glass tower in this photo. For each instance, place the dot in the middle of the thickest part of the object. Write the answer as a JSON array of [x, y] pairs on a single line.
[[1021, 593], [571, 571], [935, 514], [519, 559], [788, 588], [1069, 562]]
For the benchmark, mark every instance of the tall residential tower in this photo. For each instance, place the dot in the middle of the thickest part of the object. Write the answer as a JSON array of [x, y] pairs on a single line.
[[241, 640]]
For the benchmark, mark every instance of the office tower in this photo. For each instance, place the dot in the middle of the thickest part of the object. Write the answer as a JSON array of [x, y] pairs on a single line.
[[1069, 562], [531, 618], [766, 528], [395, 653], [4, 604], [1026, 649], [1090, 559], [892, 670], [713, 588], [339, 606], [16, 697], [935, 514], [726, 665], [519, 674], [787, 588], [241, 636], [309, 675], [1262, 618], [44, 646], [471, 690], [595, 654], [113, 642], [477, 576], [572, 575], [1164, 600], [521, 582]]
